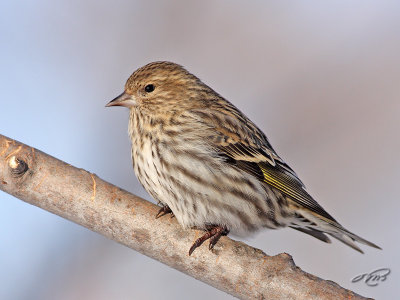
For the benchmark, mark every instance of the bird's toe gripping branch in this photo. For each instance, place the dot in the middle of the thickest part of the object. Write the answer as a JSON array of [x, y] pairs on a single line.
[[164, 210], [214, 232]]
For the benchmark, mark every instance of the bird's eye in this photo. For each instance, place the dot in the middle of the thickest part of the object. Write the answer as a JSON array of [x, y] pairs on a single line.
[[149, 88]]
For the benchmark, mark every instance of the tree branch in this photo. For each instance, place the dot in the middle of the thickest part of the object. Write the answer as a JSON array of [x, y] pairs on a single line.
[[84, 198]]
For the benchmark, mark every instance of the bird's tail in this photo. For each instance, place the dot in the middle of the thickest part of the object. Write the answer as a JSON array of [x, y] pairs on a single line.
[[350, 238], [318, 227]]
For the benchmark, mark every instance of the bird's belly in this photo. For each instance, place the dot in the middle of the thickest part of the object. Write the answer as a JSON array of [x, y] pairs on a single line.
[[202, 192]]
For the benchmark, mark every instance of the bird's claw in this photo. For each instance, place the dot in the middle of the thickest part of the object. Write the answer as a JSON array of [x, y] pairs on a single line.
[[214, 232], [163, 211]]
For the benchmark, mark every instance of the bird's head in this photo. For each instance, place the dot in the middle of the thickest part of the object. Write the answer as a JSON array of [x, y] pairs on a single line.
[[161, 86]]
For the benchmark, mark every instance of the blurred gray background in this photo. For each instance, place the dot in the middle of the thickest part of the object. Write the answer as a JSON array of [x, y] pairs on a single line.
[[321, 78]]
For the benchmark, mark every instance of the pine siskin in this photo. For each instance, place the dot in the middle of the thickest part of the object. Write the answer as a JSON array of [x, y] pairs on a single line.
[[209, 165]]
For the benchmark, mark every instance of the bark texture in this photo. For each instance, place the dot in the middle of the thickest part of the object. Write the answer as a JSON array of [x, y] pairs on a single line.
[[82, 197]]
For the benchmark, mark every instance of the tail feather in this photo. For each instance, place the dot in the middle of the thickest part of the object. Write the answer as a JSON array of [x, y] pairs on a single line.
[[315, 233], [354, 237], [318, 226], [346, 240]]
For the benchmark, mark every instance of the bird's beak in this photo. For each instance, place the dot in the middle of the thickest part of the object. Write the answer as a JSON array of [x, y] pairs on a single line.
[[124, 99]]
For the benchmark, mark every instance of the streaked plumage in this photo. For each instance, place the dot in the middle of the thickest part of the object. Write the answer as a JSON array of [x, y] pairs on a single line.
[[196, 153]]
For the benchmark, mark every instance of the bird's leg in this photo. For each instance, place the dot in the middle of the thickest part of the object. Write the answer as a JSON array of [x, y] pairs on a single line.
[[214, 232], [164, 210]]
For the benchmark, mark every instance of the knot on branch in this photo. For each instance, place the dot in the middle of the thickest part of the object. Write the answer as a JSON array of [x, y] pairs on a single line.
[[18, 166]]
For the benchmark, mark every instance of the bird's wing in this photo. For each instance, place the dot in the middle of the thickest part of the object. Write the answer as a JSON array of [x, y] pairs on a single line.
[[271, 169], [245, 146]]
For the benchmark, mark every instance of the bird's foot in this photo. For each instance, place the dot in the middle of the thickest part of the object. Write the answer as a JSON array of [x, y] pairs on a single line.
[[214, 232], [163, 211]]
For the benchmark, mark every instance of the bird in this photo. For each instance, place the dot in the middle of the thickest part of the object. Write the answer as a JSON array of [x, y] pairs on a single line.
[[210, 166]]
